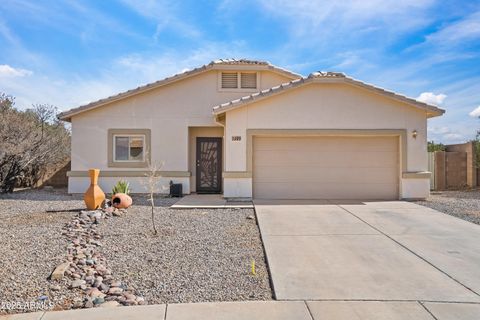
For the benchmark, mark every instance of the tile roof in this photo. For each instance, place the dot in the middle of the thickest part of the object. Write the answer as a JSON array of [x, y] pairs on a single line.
[[240, 61], [179, 76], [323, 76]]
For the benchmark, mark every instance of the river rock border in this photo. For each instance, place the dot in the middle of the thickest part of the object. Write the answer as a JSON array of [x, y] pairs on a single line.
[[86, 268]]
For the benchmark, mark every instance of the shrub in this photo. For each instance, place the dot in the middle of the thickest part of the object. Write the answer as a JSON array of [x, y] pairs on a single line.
[[121, 187], [32, 142], [432, 146]]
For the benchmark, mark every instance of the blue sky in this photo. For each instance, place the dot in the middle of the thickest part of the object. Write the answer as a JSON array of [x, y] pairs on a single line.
[[68, 53]]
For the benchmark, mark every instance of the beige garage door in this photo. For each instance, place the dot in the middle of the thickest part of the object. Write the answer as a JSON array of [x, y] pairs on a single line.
[[325, 167]]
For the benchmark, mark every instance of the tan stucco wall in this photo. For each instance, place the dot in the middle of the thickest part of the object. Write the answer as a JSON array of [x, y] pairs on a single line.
[[167, 111], [328, 106]]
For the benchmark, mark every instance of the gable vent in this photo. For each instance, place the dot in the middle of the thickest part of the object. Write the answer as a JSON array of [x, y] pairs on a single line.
[[248, 80], [229, 80]]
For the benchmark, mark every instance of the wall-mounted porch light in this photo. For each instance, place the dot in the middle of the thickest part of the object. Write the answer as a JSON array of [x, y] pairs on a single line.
[[414, 134]]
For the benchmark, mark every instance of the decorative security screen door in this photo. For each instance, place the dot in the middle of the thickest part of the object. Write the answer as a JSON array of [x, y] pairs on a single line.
[[209, 165]]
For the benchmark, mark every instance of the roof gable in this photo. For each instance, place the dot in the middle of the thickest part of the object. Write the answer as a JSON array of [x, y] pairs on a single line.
[[324, 77], [214, 65]]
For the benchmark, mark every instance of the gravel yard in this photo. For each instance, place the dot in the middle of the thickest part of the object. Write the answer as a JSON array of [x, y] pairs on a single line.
[[463, 204], [198, 255], [32, 245]]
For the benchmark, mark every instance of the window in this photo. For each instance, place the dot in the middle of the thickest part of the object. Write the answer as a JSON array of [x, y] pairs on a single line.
[[239, 80], [129, 148]]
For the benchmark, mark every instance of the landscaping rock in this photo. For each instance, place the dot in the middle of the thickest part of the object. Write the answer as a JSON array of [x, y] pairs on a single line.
[[94, 293], [104, 288], [109, 210], [77, 283], [195, 257], [87, 267], [109, 304], [116, 284], [77, 303], [463, 204], [129, 296], [88, 304], [130, 302], [59, 271], [115, 291], [55, 287], [97, 215]]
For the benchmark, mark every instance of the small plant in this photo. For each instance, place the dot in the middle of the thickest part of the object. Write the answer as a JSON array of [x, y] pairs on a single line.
[[121, 187]]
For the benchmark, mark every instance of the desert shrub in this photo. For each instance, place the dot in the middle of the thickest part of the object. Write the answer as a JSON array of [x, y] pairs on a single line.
[[31, 142], [121, 187], [432, 146]]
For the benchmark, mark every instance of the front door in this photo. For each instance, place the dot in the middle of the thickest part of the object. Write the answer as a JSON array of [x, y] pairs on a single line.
[[209, 165]]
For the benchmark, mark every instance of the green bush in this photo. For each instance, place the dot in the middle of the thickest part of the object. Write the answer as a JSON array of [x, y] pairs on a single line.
[[121, 187], [432, 146]]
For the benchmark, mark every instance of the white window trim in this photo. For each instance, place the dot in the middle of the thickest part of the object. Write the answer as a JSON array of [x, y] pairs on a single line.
[[239, 81], [144, 138]]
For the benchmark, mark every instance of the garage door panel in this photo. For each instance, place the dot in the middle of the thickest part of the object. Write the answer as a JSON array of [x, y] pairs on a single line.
[[325, 167], [326, 143], [327, 191], [325, 175], [322, 158]]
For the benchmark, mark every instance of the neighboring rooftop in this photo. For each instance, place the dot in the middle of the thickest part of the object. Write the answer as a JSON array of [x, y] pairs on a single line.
[[67, 115], [324, 76]]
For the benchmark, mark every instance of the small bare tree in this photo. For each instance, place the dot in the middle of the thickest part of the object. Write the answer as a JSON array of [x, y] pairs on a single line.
[[45, 114], [151, 183]]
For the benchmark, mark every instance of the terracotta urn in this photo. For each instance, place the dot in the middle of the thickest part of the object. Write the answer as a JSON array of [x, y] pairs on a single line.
[[94, 196], [121, 201]]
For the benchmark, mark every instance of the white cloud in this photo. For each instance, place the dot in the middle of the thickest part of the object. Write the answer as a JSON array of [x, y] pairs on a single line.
[[167, 16], [461, 30], [8, 71], [148, 67], [350, 17], [452, 133], [431, 98], [453, 137], [475, 112], [124, 73]]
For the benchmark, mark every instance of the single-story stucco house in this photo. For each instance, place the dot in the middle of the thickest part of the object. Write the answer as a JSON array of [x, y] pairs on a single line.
[[249, 129]]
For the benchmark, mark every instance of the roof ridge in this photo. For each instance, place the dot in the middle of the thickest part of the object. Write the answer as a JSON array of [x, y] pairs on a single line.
[[326, 74], [240, 61]]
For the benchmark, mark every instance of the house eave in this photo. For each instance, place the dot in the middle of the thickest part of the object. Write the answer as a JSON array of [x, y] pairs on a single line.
[[431, 110]]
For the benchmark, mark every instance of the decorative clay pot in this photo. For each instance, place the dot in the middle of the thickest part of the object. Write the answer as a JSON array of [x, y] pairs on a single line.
[[121, 200], [94, 196]]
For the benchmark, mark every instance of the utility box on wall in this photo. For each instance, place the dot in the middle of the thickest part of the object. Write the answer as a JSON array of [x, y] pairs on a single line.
[[176, 190]]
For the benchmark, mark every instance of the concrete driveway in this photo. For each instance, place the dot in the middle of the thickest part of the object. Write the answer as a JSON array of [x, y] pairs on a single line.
[[376, 251]]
